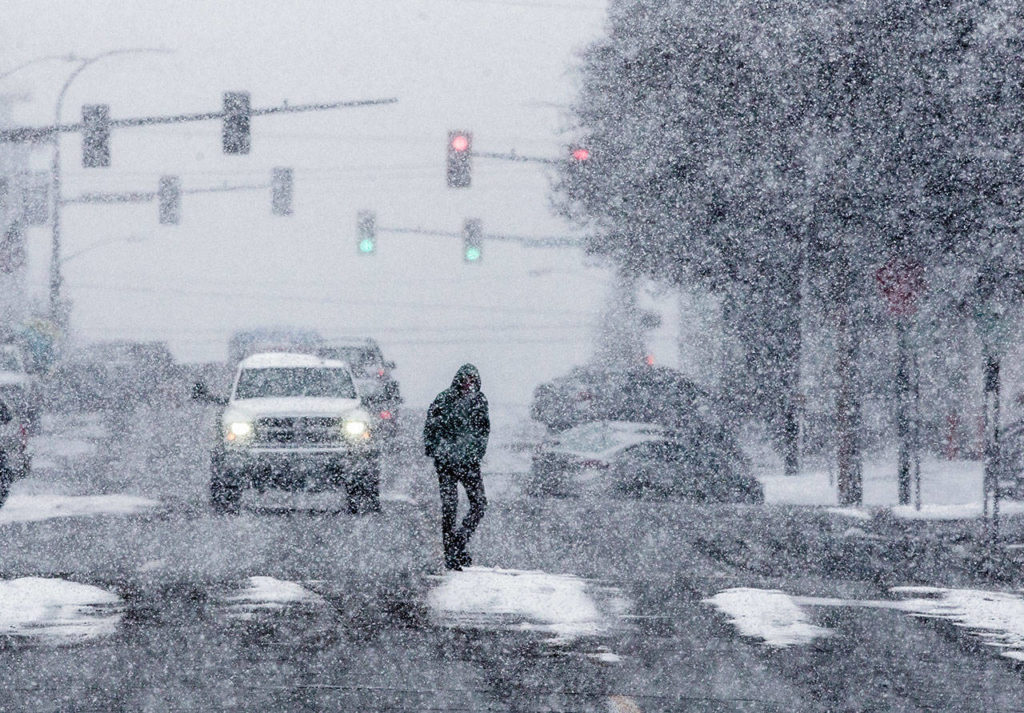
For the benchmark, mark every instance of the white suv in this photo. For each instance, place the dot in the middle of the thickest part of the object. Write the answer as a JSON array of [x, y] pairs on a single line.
[[294, 422]]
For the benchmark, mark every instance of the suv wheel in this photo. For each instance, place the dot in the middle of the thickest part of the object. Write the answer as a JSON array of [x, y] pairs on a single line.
[[225, 490], [363, 492]]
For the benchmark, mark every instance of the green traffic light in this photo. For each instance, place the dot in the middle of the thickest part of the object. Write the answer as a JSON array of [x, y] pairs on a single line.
[[472, 254], [366, 245]]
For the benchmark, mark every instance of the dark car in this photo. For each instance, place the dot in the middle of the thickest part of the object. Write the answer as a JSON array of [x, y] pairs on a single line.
[[644, 394], [374, 377], [247, 342], [15, 462], [117, 376], [693, 463]]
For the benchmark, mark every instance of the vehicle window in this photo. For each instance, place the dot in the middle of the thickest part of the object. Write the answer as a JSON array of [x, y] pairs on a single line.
[[9, 362], [295, 381], [362, 361], [6, 413]]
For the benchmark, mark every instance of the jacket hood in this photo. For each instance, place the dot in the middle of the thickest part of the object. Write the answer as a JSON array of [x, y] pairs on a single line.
[[467, 371]]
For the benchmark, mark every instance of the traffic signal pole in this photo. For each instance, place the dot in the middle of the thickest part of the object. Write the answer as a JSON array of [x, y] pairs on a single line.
[[44, 134]]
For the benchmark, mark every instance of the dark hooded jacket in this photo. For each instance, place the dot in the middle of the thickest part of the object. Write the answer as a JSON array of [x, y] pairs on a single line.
[[458, 423]]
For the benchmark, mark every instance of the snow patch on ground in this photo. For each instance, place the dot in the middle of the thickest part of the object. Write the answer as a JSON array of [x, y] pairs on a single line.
[[557, 604], [966, 511], [767, 614], [56, 611], [856, 513], [30, 508], [997, 618], [269, 594], [950, 490]]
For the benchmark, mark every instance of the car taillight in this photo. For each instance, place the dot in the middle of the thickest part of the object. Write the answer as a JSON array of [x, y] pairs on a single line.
[[386, 415], [24, 436], [380, 373], [594, 464]]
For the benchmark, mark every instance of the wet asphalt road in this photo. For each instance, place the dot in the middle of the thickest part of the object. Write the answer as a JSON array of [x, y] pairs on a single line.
[[370, 642]]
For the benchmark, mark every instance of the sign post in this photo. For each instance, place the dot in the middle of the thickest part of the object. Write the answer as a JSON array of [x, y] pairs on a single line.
[[901, 281]]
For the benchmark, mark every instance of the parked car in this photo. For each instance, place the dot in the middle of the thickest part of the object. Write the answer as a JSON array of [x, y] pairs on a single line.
[[643, 459], [15, 462], [117, 376], [19, 387], [293, 422], [643, 394], [374, 376]]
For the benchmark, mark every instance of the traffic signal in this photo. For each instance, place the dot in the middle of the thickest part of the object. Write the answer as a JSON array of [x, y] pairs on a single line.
[[472, 240], [366, 232], [281, 191], [579, 154], [460, 152], [168, 194], [96, 136], [235, 135]]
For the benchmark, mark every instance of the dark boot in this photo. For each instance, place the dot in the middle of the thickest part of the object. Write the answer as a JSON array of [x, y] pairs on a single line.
[[452, 553], [462, 555]]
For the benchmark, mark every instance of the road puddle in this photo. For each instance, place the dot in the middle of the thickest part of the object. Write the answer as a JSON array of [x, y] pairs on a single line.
[[56, 611], [779, 619]]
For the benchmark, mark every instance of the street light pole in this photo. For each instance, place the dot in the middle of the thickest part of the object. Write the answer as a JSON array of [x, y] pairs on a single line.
[[57, 311]]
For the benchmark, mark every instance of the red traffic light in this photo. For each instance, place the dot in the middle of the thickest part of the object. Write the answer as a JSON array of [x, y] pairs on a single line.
[[580, 154], [460, 142]]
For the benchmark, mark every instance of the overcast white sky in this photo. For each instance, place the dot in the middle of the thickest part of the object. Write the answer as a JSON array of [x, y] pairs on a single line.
[[501, 68]]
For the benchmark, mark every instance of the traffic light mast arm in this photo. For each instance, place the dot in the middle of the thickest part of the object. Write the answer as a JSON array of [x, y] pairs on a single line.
[[513, 156], [144, 196], [532, 242], [43, 134]]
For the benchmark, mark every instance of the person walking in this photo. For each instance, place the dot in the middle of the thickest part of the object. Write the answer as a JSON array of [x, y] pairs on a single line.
[[455, 436]]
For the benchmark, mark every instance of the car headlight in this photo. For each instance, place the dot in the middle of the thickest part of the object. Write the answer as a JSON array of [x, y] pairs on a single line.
[[354, 428], [238, 430]]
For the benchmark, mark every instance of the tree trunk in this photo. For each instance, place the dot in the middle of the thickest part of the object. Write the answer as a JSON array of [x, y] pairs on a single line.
[[790, 364], [848, 408]]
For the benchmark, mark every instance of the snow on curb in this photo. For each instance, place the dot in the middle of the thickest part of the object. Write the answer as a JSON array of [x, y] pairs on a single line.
[[31, 508], [57, 611], [767, 614], [555, 604], [997, 618]]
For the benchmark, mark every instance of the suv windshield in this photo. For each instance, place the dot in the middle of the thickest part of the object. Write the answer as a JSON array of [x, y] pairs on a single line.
[[295, 381]]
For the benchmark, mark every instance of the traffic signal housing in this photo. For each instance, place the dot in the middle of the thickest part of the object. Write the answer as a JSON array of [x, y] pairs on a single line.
[[96, 136], [169, 197], [460, 153], [472, 240], [281, 190], [366, 232], [235, 135], [579, 154]]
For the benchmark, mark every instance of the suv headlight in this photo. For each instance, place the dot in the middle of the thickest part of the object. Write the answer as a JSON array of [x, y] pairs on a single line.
[[238, 431], [356, 428]]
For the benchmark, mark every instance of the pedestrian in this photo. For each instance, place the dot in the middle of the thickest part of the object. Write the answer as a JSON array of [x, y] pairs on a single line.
[[455, 436]]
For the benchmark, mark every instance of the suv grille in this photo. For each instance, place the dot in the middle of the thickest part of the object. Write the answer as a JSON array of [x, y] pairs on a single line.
[[298, 431]]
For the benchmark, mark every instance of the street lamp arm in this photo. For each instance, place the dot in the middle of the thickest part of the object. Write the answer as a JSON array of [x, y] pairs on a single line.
[[55, 261], [99, 244], [38, 60]]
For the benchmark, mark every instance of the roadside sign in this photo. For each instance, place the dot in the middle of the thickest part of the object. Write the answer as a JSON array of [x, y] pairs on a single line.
[[901, 281]]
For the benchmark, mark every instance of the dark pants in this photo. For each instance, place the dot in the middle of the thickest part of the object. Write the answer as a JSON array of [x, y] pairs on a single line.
[[449, 475]]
